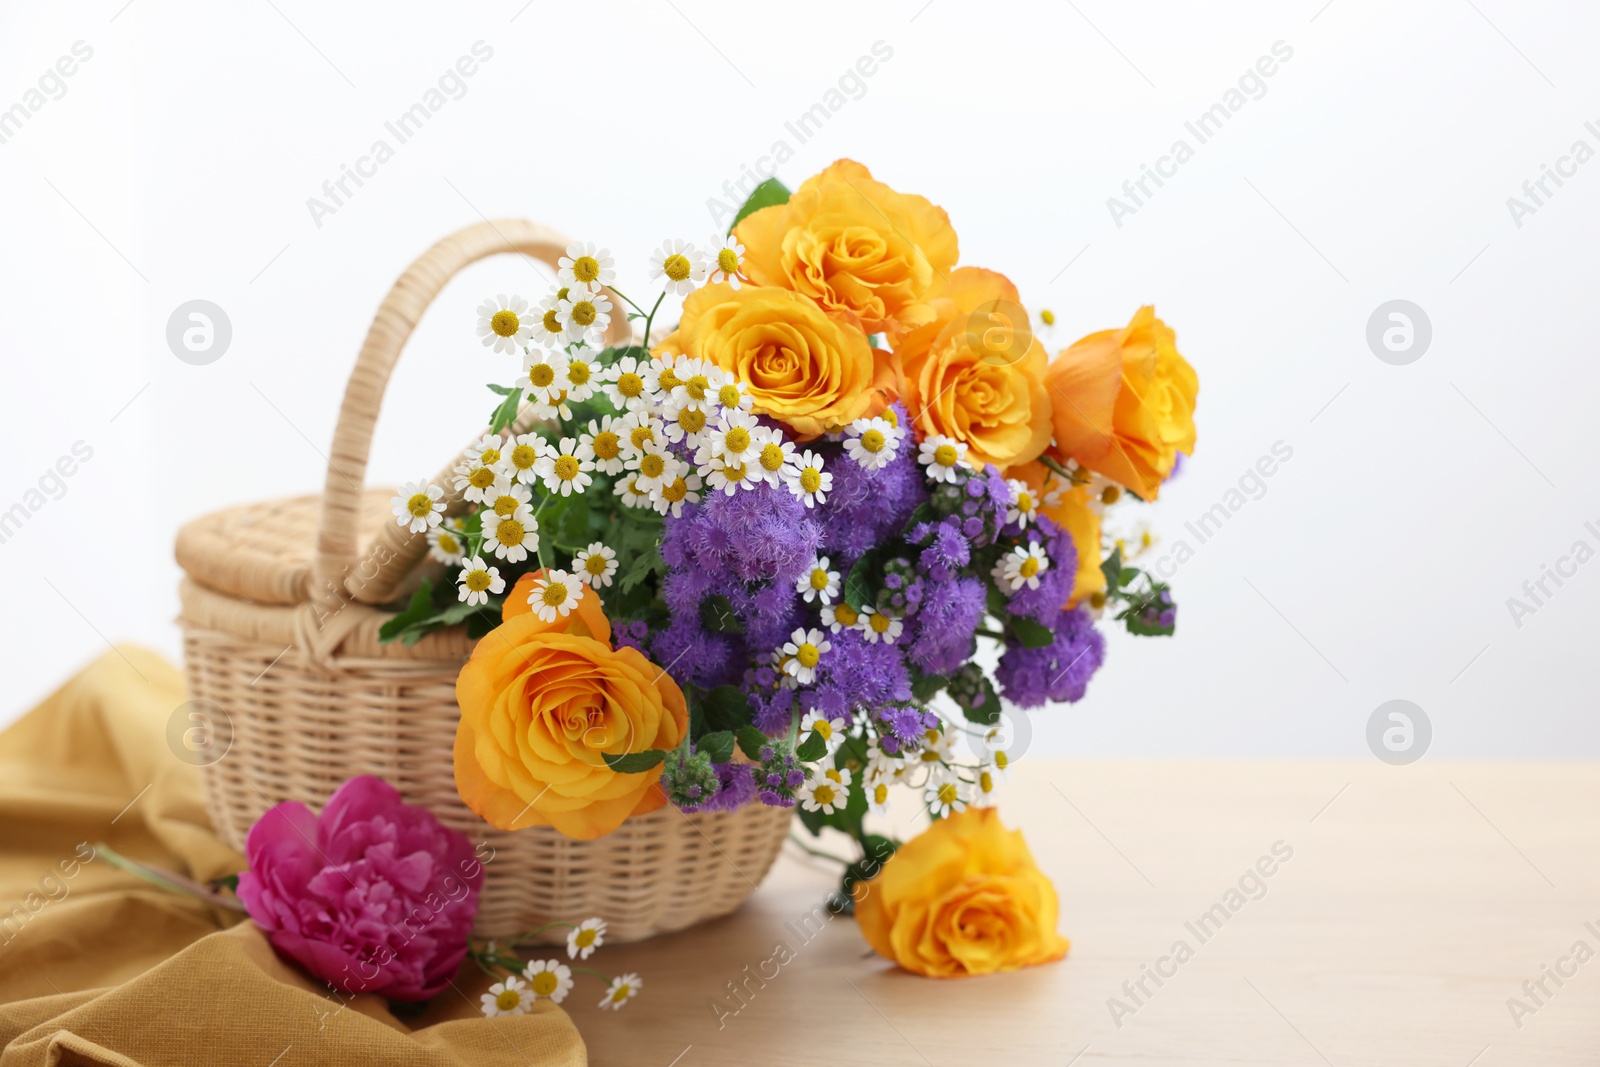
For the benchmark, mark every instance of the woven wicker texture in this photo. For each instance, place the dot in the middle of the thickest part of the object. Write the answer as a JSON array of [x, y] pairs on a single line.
[[281, 642]]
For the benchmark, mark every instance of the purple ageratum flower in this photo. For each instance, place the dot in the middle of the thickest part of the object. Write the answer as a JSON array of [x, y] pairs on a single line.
[[1055, 585], [947, 552], [738, 788], [856, 672], [691, 655], [370, 885], [868, 507], [630, 635], [1060, 671], [941, 639], [773, 710]]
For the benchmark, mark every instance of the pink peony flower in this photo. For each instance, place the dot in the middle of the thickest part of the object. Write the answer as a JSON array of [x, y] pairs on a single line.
[[373, 896]]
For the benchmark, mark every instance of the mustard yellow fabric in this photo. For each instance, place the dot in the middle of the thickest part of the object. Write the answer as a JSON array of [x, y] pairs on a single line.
[[98, 967]]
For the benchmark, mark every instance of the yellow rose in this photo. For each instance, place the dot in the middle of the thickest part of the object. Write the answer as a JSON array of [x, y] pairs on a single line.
[[963, 897], [853, 244], [809, 369], [965, 379], [1071, 512], [541, 702], [1124, 403]]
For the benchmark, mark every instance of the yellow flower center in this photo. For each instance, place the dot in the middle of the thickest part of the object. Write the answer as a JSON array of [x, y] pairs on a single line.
[[880, 793], [448, 544], [676, 491], [735, 472], [477, 581], [668, 380], [523, 457], [945, 455], [509, 532], [1097, 600], [890, 417], [728, 396], [692, 419], [810, 479], [507, 1000], [506, 505], [584, 938], [481, 478], [1001, 760], [1024, 502], [621, 993], [947, 793], [1110, 494], [1029, 568], [845, 615], [596, 564], [736, 439], [824, 794], [879, 622], [819, 579], [873, 441], [928, 755], [421, 504], [567, 468], [552, 323], [652, 465], [676, 266], [728, 261], [505, 323], [578, 372], [696, 387], [541, 375], [833, 775], [1047, 317], [824, 729], [931, 736], [545, 982], [641, 436], [583, 313], [630, 384], [605, 445], [808, 655], [586, 269], [986, 781], [554, 595]]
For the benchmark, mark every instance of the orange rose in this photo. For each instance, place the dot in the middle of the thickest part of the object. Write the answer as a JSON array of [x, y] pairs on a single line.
[[965, 379], [806, 368], [855, 245], [1071, 512], [1124, 403], [541, 703], [963, 897]]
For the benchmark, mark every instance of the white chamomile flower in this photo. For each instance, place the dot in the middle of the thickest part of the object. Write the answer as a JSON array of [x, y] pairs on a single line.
[[804, 649], [1021, 567], [504, 323], [446, 545], [624, 384], [518, 456], [687, 425], [585, 938], [942, 456], [878, 796], [947, 796], [1055, 489], [832, 731], [548, 978], [840, 616], [938, 749], [734, 438], [507, 498], [678, 262], [665, 373], [632, 493], [509, 997], [479, 468], [477, 580], [541, 376], [511, 538], [584, 264], [595, 565], [1024, 505], [775, 457], [546, 323], [694, 388], [819, 582], [807, 480], [637, 430], [728, 392], [872, 442], [780, 665], [418, 506], [563, 472], [655, 466], [580, 376], [555, 595], [673, 495], [585, 314], [728, 477], [726, 262], [985, 788], [999, 758], [876, 626], [827, 792], [602, 444], [882, 767], [622, 989]]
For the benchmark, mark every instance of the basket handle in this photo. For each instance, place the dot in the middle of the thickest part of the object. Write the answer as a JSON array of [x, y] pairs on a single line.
[[337, 574]]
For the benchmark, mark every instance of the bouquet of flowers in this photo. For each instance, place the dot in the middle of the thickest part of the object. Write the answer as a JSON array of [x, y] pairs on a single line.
[[753, 558]]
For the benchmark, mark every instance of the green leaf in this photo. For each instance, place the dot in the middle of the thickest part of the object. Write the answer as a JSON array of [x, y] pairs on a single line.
[[811, 749], [861, 584], [719, 746], [506, 413], [725, 708], [634, 762], [1030, 633], [419, 608], [1112, 569], [751, 741], [502, 390], [768, 194], [572, 531], [925, 686], [996, 601], [717, 616], [987, 713]]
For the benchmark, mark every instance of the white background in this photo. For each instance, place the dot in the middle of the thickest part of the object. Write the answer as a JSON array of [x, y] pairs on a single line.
[[1377, 165]]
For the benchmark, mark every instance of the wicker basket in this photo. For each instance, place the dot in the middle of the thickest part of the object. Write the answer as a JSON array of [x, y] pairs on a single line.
[[281, 641]]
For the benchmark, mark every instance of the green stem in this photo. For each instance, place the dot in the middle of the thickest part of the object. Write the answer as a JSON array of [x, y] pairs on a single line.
[[648, 319], [817, 852], [606, 978], [1059, 469], [629, 300], [175, 883]]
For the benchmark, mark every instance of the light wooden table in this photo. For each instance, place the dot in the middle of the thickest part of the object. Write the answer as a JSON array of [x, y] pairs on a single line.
[[1417, 901]]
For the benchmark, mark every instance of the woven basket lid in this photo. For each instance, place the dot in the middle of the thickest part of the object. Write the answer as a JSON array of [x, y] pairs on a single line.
[[262, 552]]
